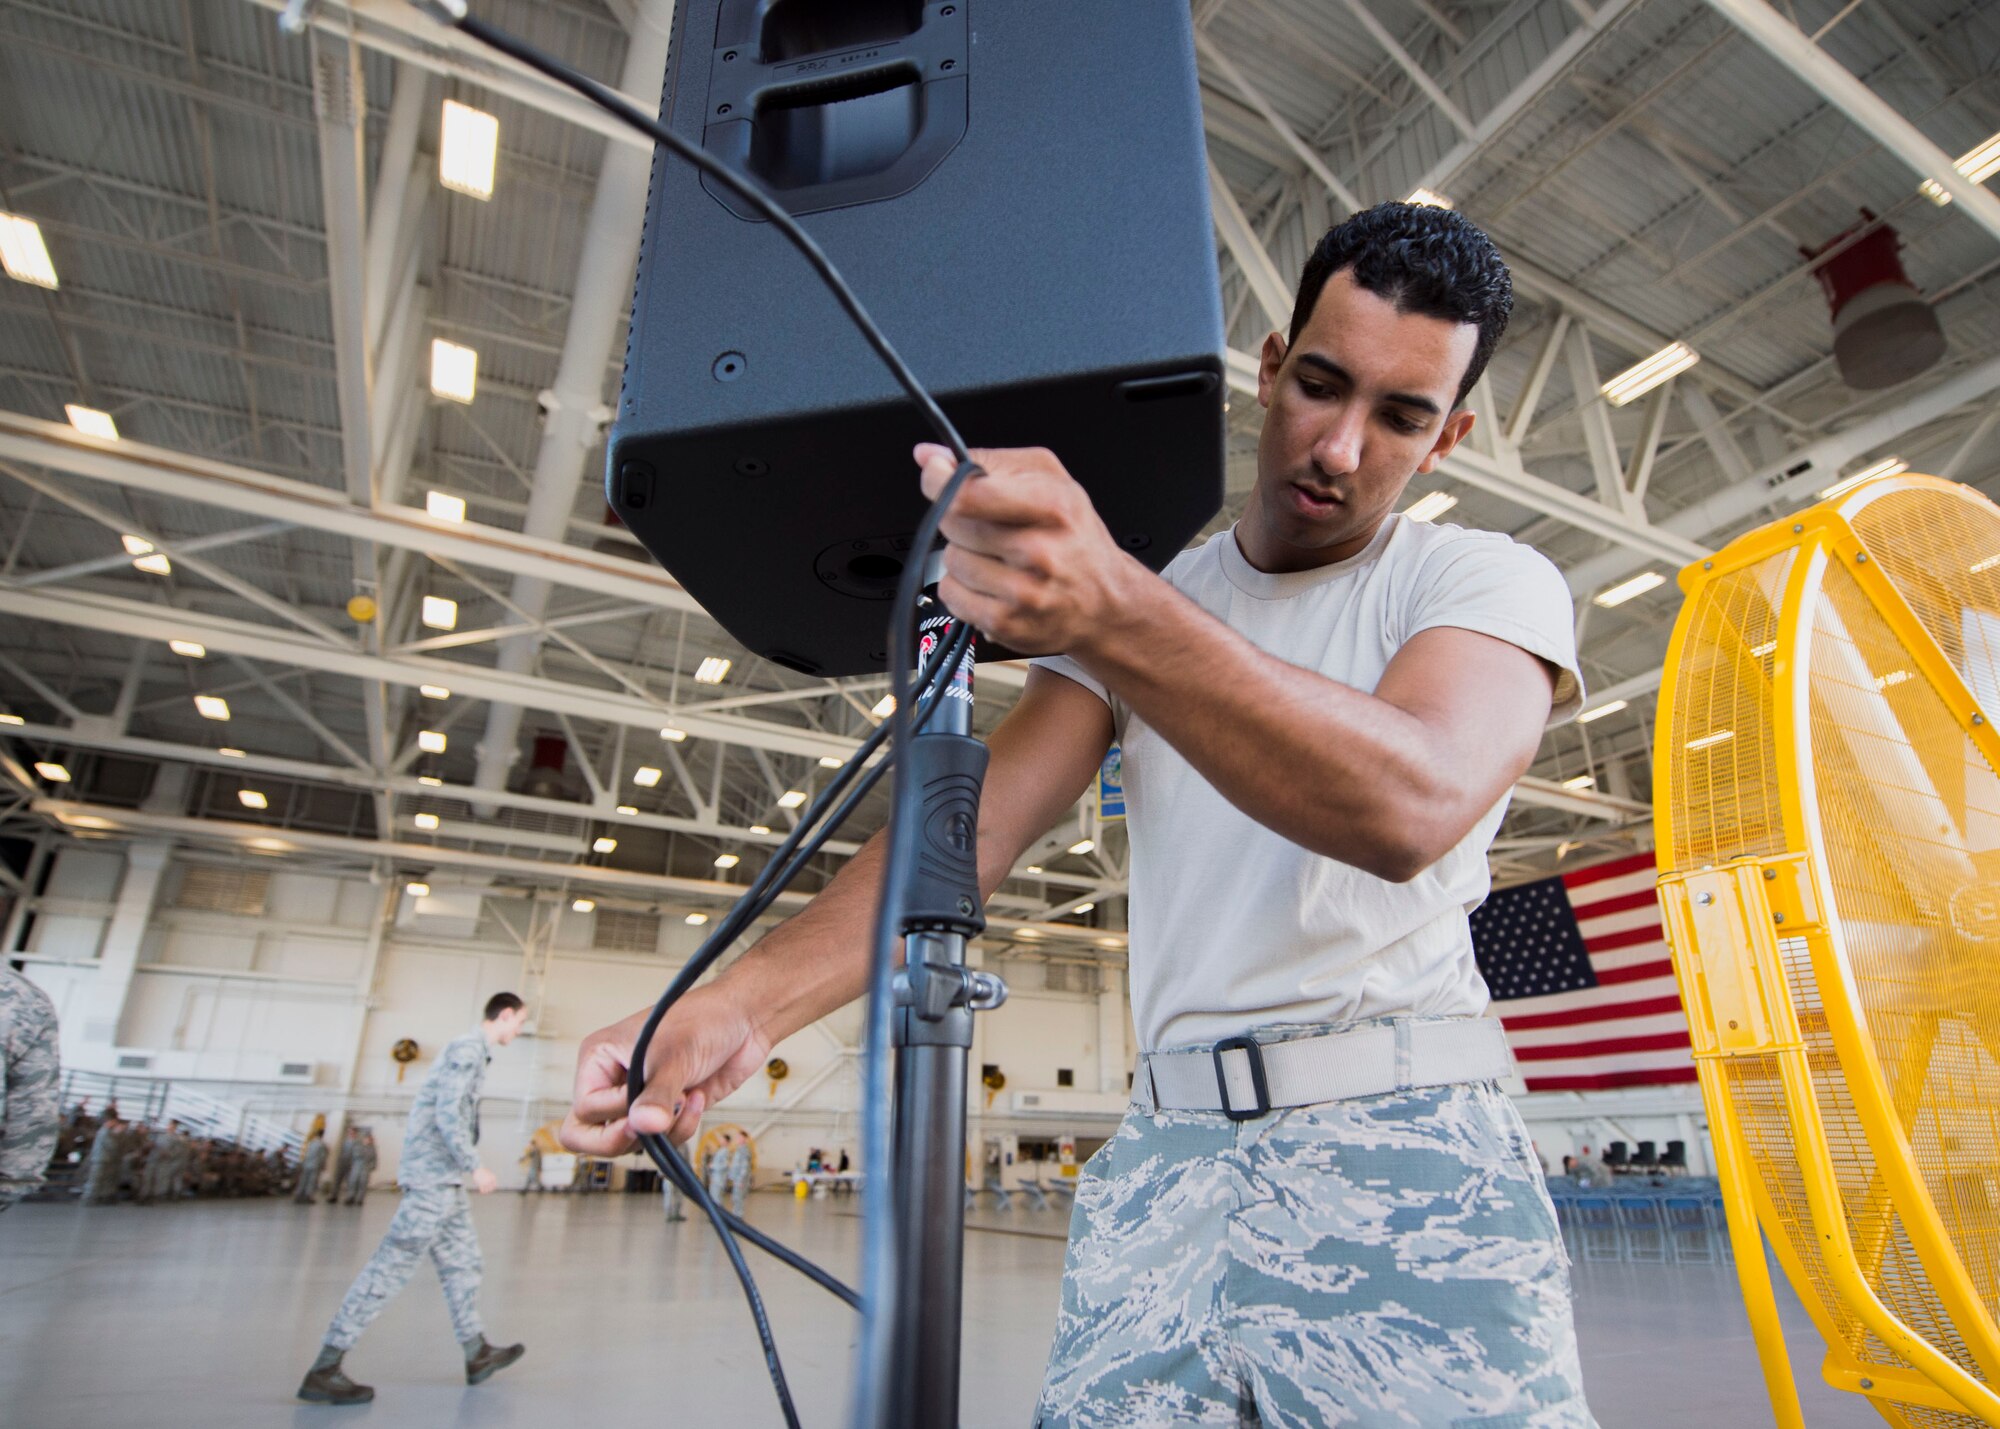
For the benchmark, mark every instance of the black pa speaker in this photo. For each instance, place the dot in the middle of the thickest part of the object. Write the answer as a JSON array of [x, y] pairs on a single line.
[[1018, 191]]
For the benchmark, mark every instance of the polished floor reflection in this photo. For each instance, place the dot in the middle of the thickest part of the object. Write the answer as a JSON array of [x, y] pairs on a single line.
[[204, 1315]]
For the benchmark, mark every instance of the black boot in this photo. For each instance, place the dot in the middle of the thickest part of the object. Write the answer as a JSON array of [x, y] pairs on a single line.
[[327, 1383], [483, 1361]]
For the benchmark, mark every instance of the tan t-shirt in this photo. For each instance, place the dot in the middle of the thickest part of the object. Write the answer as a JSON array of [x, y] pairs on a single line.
[[1234, 926]]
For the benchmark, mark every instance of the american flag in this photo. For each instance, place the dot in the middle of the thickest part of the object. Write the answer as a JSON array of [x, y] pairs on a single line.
[[1582, 979]]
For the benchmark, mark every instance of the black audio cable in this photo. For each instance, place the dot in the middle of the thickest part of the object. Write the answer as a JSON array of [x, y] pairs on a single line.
[[868, 1406]]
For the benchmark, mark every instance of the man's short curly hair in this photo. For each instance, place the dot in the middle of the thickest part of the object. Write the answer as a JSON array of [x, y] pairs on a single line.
[[1425, 260]]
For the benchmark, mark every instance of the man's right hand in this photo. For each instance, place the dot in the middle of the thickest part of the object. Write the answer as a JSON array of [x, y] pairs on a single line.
[[705, 1048]]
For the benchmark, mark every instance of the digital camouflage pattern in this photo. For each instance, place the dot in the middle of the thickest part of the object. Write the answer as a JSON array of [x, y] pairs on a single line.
[[436, 1219], [30, 1074], [439, 1147], [1388, 1260]]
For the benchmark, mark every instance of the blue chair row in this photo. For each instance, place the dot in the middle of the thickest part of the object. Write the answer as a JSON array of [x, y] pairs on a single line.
[[1685, 1227]]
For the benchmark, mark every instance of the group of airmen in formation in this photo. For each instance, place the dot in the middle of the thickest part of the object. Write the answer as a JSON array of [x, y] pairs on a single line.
[[124, 1158]]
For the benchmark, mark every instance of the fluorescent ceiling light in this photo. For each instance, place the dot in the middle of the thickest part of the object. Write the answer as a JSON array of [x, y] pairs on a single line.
[[22, 252], [1034, 868], [713, 671], [1636, 381], [232, 753], [152, 562], [1709, 741], [91, 422], [1626, 590], [828, 761], [454, 371], [434, 692], [1978, 164], [727, 860], [1431, 506], [1083, 846], [439, 613], [672, 735], [695, 920], [646, 776], [1758, 652], [468, 145], [430, 781], [212, 706], [1083, 907], [791, 798], [417, 890], [760, 828], [52, 771], [630, 811], [884, 707], [1429, 198], [431, 741], [444, 506], [1610, 708], [583, 905], [11, 719], [193, 649], [1980, 566], [1110, 942], [604, 843], [1891, 680], [1888, 466], [1026, 933], [1582, 781], [252, 799], [425, 821]]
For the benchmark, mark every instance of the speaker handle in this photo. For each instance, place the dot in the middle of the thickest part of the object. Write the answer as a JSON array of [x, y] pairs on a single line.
[[745, 91]]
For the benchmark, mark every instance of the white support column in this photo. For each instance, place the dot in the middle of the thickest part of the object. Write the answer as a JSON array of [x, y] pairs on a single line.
[[1522, 418], [125, 933], [1721, 443], [1639, 471], [1591, 411], [1876, 118], [1267, 285]]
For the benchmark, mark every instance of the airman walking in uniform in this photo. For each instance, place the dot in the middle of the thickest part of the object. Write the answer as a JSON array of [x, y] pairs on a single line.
[[440, 1156]]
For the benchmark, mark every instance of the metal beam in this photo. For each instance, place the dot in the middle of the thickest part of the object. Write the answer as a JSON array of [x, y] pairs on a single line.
[[1875, 117], [1253, 260], [168, 473], [1417, 73], [145, 621], [1254, 97]]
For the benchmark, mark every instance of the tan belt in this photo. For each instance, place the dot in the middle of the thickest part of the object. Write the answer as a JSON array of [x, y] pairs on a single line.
[[1242, 1077]]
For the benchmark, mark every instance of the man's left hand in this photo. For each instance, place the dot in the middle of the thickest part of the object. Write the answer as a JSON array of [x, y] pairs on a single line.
[[1029, 563], [484, 1181]]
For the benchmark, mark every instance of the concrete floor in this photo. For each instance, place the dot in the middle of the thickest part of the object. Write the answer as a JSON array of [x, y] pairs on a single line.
[[206, 1315]]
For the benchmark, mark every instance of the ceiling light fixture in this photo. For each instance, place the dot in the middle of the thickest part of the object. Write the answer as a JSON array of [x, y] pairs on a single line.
[[1599, 712], [1083, 907], [828, 761], [52, 771], [1431, 506], [1709, 741], [91, 422], [212, 706], [1641, 378], [454, 371], [1083, 846], [604, 843], [434, 692], [760, 828], [430, 781], [417, 890], [884, 707], [645, 776], [431, 741], [152, 562], [712, 671], [1429, 198], [1581, 781], [1034, 868], [22, 252], [231, 753], [582, 905], [673, 736], [193, 649], [439, 613], [11, 719], [695, 920], [252, 799], [727, 860], [630, 811], [1627, 590], [425, 821], [468, 149], [1888, 466], [1978, 164], [791, 798], [444, 506]]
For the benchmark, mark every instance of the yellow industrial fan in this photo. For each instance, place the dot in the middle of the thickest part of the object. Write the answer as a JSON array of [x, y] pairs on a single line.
[[1828, 816]]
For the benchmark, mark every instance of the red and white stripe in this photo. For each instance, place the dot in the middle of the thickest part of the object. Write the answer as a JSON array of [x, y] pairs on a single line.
[[1630, 1029]]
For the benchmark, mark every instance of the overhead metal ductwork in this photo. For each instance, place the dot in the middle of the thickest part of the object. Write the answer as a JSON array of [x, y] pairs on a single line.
[[1884, 333]]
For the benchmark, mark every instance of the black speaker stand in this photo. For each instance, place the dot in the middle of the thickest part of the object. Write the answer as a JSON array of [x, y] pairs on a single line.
[[936, 995]]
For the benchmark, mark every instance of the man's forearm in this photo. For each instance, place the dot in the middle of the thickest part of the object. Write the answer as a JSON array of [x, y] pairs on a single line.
[[817, 960]]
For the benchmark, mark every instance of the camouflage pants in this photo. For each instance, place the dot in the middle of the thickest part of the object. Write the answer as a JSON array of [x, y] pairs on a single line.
[[437, 1219], [1388, 1260]]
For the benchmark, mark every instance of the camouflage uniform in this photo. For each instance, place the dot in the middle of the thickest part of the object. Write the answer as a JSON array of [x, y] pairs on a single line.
[[439, 1153], [739, 1176], [312, 1163], [359, 1168], [29, 1074], [107, 1154], [1386, 1260]]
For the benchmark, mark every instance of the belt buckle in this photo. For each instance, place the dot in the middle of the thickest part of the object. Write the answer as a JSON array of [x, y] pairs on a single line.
[[1249, 1046]]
